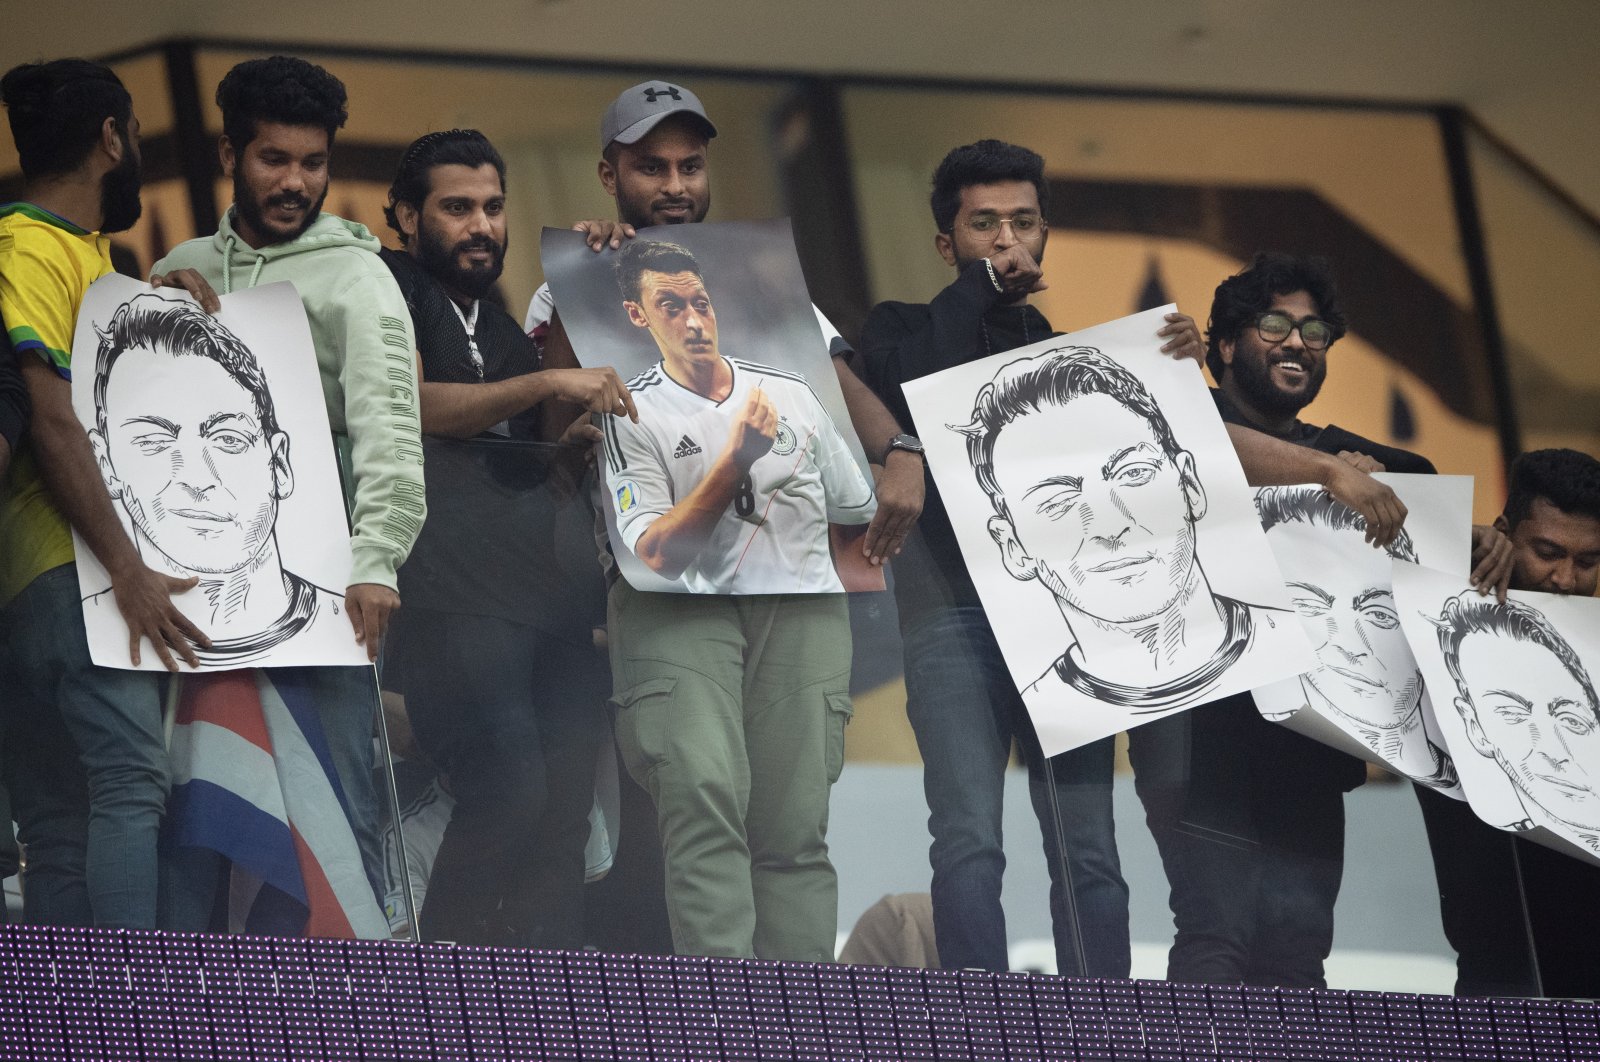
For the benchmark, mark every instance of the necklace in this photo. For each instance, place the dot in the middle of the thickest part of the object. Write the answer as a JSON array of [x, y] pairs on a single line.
[[470, 323], [983, 325]]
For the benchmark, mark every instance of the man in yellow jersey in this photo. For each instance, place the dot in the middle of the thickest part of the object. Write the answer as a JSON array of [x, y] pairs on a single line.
[[84, 754]]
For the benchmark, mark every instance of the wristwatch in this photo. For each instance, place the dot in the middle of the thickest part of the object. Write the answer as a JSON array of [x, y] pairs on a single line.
[[909, 443]]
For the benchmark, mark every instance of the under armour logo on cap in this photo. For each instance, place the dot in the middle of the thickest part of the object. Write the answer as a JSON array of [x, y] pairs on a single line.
[[641, 108]]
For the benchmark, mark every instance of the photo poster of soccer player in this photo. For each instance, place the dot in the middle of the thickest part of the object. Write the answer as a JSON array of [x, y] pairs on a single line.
[[1513, 690], [212, 437], [1366, 696], [1108, 528], [743, 474]]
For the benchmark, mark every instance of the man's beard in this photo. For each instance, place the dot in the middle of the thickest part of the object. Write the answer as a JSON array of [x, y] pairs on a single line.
[[119, 193], [1254, 377], [253, 213], [444, 263], [641, 215]]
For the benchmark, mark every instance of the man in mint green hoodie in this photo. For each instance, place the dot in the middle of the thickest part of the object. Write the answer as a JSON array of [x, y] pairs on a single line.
[[279, 117]]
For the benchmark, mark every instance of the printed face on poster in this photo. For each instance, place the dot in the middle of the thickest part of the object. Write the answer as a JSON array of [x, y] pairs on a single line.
[[1108, 528], [212, 439], [743, 474], [1514, 694], [1366, 695]]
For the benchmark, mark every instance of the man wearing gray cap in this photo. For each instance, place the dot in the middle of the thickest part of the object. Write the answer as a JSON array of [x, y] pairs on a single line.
[[738, 751]]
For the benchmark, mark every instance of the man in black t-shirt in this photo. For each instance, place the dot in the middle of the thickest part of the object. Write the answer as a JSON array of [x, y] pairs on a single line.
[[504, 687]]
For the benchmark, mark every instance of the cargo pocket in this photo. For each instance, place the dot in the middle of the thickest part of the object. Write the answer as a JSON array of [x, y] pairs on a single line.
[[641, 724], [839, 712]]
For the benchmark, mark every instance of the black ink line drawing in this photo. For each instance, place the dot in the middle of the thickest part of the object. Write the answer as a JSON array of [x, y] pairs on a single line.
[[1529, 705], [188, 440], [1108, 527], [1366, 682]]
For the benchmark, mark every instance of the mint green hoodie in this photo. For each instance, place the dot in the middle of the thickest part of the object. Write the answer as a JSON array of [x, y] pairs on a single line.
[[362, 332]]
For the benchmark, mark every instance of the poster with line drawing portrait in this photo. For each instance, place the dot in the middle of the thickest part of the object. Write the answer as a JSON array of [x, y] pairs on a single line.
[[742, 474], [1513, 688], [1108, 528], [1366, 695], [212, 438]]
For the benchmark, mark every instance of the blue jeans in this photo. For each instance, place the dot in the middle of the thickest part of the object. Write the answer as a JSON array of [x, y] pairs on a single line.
[[965, 710], [113, 717]]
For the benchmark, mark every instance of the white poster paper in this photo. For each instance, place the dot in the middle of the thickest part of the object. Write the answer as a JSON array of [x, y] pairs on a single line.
[[1366, 695], [743, 474], [1514, 697], [1108, 528], [213, 440]]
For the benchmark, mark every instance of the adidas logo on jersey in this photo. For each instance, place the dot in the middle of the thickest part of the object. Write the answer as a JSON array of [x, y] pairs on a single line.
[[687, 447]]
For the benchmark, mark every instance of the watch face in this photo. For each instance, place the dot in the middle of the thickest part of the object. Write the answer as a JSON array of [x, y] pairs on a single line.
[[906, 442]]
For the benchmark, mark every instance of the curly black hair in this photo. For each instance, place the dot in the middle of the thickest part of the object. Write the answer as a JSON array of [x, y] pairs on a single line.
[[57, 110], [280, 89], [1567, 479], [986, 162], [414, 180], [1247, 294]]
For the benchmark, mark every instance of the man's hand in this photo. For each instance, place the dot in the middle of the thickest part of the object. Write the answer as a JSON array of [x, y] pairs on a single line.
[[1017, 271], [1182, 337], [598, 232], [370, 605], [1492, 561], [582, 432], [1380, 506], [1360, 462], [193, 283], [755, 429], [900, 491], [144, 597], [597, 390]]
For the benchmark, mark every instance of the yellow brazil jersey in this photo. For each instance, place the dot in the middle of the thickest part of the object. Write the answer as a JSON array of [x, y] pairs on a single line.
[[46, 265]]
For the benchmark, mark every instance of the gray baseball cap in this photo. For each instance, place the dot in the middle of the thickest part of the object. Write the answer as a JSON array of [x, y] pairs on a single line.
[[642, 107]]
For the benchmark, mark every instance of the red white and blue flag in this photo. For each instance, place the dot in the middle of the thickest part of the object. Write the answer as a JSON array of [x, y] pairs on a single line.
[[253, 780]]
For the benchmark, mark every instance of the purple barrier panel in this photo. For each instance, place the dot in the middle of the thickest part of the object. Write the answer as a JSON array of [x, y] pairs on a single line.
[[1545, 1034], [1230, 1022], [1336, 1025], [365, 963], [186, 984], [480, 1002], [590, 1016], [73, 967], [408, 1003], [1511, 1036], [1370, 1024], [152, 996], [731, 1002], [259, 1001], [547, 975], [1581, 1024], [1158, 1017], [942, 988], [1018, 1022], [1475, 1020], [441, 992], [913, 1022], [520, 1022], [805, 1011], [659, 993], [697, 1007], [630, 1031], [1268, 1039], [1091, 1033], [837, 997], [1196, 1037], [1058, 1030], [330, 979], [1302, 1039], [13, 1014], [981, 1008], [1123, 1024], [769, 1012], [231, 1034], [1409, 1036], [875, 1005], [297, 998]]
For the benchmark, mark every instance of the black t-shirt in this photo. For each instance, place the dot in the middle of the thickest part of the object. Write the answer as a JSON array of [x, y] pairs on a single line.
[[906, 341]]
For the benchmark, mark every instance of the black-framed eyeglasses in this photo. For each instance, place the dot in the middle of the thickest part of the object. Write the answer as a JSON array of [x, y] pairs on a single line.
[[1275, 327], [986, 227]]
